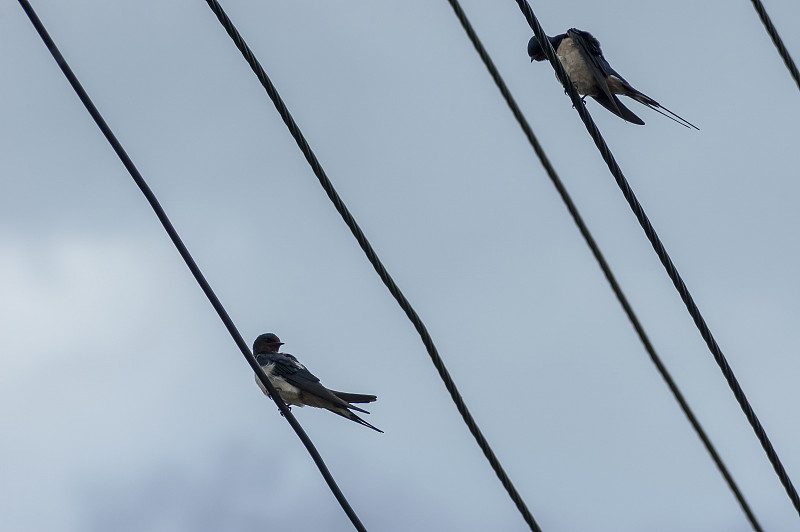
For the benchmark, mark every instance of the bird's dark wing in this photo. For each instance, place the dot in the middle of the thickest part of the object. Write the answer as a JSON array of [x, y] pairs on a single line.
[[287, 367], [351, 416], [589, 47], [617, 107], [355, 397]]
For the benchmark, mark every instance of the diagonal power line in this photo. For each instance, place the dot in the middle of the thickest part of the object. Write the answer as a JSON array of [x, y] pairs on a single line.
[[184, 252], [777, 41], [375, 261], [663, 256], [604, 266]]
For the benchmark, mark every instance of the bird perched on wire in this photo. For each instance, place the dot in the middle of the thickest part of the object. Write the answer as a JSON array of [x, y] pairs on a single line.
[[297, 386], [580, 54]]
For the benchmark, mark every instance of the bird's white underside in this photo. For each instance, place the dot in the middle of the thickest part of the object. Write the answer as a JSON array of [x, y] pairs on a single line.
[[581, 74], [576, 67], [289, 392]]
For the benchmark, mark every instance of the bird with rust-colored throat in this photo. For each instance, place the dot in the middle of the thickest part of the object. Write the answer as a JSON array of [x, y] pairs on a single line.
[[297, 386], [591, 75]]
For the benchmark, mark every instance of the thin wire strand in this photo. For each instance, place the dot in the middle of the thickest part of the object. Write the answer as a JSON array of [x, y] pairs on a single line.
[[375, 261], [665, 259], [777, 41], [604, 266], [187, 257]]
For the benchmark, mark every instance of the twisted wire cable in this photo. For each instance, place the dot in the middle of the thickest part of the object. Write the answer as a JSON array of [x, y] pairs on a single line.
[[777, 41]]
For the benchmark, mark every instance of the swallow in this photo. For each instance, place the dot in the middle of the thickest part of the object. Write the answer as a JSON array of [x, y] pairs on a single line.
[[580, 54], [297, 386]]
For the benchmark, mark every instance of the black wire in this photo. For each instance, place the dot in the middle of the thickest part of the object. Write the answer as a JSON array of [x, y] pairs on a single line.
[[672, 271], [374, 260], [173, 234], [604, 266], [776, 40]]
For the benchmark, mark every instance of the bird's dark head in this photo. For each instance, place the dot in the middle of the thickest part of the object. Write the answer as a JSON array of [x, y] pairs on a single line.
[[535, 50], [267, 343]]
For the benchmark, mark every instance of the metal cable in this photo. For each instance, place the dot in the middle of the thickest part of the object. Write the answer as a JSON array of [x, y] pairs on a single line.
[[604, 266], [777, 41], [375, 261], [187, 257], [672, 271]]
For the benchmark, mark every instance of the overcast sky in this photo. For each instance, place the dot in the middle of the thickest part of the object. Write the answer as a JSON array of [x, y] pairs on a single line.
[[124, 403]]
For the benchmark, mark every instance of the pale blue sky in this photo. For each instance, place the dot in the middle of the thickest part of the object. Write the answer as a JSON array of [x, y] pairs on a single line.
[[124, 404]]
